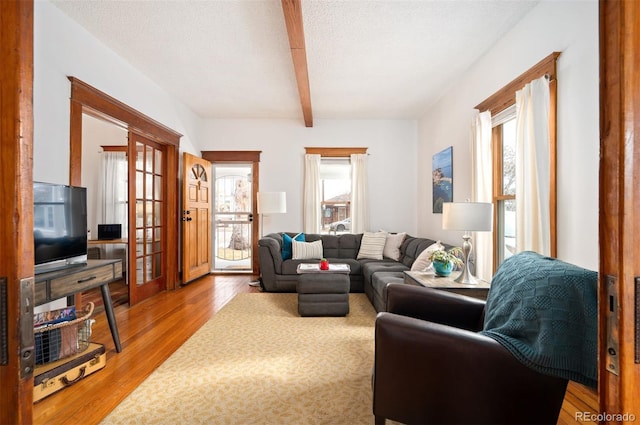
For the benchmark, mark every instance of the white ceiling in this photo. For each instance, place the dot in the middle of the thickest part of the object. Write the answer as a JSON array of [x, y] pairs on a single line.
[[366, 58]]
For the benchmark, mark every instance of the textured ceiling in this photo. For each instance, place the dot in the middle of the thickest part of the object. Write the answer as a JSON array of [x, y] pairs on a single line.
[[367, 59]]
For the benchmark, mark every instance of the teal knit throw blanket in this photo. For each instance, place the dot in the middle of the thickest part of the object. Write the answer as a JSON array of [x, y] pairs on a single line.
[[544, 311]]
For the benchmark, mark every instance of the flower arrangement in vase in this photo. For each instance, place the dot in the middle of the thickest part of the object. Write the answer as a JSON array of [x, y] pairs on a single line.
[[445, 261]]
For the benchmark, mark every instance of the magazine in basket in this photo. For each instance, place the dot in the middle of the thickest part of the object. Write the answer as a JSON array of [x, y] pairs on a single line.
[[60, 333]]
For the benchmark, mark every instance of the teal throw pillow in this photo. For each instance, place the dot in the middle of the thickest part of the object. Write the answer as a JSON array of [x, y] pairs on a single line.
[[287, 249]]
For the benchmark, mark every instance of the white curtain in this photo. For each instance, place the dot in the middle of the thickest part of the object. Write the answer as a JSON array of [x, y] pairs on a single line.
[[532, 168], [359, 194], [113, 190], [312, 195], [482, 189]]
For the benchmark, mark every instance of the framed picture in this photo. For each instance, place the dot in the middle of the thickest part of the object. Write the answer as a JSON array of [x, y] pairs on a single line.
[[442, 178]]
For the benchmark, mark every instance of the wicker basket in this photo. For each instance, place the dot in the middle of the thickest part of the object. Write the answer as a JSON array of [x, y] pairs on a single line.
[[64, 339]]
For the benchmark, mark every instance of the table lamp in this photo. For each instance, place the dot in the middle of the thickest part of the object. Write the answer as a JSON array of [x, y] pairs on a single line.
[[468, 217]]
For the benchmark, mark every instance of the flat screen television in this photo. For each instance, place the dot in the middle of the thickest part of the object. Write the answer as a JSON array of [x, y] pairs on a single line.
[[59, 226]]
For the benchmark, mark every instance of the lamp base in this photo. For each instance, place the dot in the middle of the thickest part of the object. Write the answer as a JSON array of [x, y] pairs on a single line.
[[465, 276]]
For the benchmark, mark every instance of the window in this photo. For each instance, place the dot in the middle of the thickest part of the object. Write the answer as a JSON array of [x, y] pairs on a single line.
[[502, 106], [504, 135], [335, 190], [335, 182]]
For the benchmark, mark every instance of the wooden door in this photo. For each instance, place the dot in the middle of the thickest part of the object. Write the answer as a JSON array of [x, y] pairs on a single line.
[[619, 296], [16, 215], [147, 217], [196, 217]]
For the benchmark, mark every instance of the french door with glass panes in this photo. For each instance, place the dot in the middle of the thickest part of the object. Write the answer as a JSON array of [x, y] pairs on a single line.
[[147, 221]]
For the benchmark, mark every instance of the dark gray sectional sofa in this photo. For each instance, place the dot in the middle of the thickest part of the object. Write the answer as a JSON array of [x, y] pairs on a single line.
[[367, 275]]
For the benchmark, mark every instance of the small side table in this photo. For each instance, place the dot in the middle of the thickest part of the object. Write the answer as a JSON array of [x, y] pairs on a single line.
[[448, 283]]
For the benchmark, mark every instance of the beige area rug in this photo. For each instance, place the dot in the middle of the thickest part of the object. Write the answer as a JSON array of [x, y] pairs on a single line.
[[257, 362]]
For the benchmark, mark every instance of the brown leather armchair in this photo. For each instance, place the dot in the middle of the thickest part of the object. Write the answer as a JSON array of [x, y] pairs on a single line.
[[432, 367]]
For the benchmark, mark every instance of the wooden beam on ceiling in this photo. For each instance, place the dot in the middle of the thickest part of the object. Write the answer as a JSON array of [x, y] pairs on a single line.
[[293, 17]]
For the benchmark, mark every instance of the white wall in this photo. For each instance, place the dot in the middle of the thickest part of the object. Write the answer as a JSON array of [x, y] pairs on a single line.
[[63, 48], [392, 167], [570, 27]]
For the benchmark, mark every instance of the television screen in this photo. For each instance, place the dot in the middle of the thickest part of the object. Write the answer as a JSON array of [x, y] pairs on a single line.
[[59, 222]]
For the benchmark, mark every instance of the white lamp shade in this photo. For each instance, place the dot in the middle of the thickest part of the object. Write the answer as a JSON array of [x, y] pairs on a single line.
[[467, 216], [272, 202]]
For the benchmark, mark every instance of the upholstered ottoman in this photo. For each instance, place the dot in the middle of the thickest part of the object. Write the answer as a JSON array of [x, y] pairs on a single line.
[[323, 294]]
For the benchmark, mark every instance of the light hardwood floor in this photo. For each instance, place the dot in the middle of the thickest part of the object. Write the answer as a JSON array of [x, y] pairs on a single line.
[[152, 330]]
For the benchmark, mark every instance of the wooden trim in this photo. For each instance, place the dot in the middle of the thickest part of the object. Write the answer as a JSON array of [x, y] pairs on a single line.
[[75, 143], [496, 154], [619, 202], [335, 152], [16, 196], [292, 10], [97, 100], [254, 158], [118, 148], [553, 173], [255, 228], [87, 99], [231, 156], [506, 96], [172, 214]]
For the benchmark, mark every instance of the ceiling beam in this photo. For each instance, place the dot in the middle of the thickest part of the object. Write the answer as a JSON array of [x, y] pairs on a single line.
[[293, 17]]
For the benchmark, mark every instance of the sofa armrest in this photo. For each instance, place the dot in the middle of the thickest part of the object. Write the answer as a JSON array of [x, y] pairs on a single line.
[[270, 259], [430, 373], [436, 306]]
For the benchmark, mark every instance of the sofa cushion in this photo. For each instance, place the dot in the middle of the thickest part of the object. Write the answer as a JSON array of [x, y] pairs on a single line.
[[392, 245], [379, 284], [423, 263], [306, 250], [412, 247], [287, 249], [338, 246], [372, 245], [373, 267]]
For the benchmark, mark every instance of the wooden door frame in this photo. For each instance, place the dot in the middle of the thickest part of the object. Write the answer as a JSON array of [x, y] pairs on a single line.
[[217, 157], [85, 98], [16, 216], [619, 227]]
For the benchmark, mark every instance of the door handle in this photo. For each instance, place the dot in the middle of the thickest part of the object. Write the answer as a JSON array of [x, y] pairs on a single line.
[[250, 217]]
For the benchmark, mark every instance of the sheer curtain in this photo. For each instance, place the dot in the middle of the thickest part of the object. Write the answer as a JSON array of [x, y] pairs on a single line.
[[359, 194], [533, 168], [113, 190], [482, 189], [312, 195]]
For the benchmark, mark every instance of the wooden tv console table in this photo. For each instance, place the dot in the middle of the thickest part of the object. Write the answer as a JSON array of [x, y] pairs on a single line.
[[50, 286]]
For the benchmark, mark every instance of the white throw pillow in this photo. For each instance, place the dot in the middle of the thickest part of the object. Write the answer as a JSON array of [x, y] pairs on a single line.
[[372, 245], [392, 245], [422, 263], [307, 250]]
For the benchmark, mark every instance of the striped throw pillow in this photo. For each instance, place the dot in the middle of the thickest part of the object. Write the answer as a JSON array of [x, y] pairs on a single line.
[[372, 245], [307, 250]]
